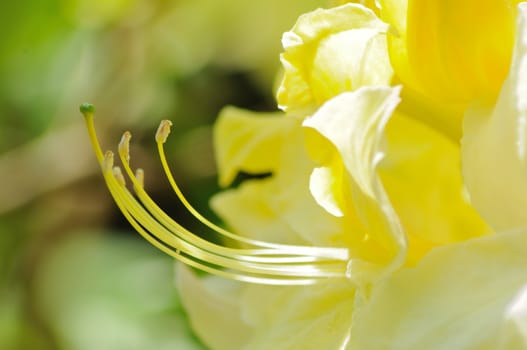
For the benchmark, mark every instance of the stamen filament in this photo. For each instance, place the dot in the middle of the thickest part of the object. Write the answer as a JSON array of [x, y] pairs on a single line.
[[332, 253], [126, 204], [173, 226], [268, 264], [174, 239], [191, 261]]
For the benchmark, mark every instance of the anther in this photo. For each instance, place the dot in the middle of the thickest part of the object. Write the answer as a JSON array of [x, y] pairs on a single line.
[[119, 175], [124, 145], [107, 164], [163, 131], [140, 176]]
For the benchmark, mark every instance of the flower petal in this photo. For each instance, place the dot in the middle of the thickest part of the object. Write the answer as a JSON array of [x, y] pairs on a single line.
[[464, 58], [326, 185], [330, 51], [262, 317], [495, 146], [454, 299], [250, 211], [280, 208], [311, 317], [514, 330], [212, 301], [247, 141], [352, 125], [421, 174]]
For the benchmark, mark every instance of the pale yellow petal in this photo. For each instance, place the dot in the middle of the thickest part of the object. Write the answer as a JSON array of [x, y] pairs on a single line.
[[247, 141], [514, 329], [495, 146], [212, 304], [249, 210], [312, 317], [280, 207], [326, 186], [371, 4], [230, 315], [294, 201], [352, 125], [330, 51], [455, 299]]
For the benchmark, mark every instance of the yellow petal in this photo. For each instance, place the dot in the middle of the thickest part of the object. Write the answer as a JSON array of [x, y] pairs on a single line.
[[247, 141], [312, 317], [495, 146], [466, 46], [293, 199], [352, 125], [415, 103], [371, 4], [454, 299], [422, 175], [328, 188], [331, 51], [514, 328], [228, 315], [250, 211], [447, 54], [280, 208], [213, 309]]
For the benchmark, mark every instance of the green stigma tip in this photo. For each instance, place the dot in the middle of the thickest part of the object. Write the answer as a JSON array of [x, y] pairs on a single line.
[[87, 108]]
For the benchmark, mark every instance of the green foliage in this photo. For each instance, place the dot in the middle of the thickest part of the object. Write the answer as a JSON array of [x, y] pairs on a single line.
[[111, 292]]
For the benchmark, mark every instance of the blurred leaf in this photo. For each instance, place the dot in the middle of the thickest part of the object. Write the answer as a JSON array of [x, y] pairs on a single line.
[[111, 292], [10, 319]]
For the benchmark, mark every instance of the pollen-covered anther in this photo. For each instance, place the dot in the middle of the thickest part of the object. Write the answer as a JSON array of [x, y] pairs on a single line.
[[140, 177], [107, 163], [124, 145], [118, 174], [163, 131]]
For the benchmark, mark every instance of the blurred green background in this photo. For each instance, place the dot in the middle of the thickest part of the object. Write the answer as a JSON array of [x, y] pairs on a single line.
[[73, 274]]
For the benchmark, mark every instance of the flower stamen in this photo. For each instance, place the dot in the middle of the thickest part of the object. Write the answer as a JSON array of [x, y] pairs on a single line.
[[264, 262]]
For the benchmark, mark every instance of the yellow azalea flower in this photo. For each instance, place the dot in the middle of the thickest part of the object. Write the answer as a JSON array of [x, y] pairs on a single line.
[[367, 234]]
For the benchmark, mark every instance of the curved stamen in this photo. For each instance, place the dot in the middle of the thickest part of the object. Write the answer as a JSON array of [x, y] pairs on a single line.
[[150, 228], [192, 261], [332, 253], [254, 255], [273, 264], [212, 252], [169, 223], [232, 262]]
